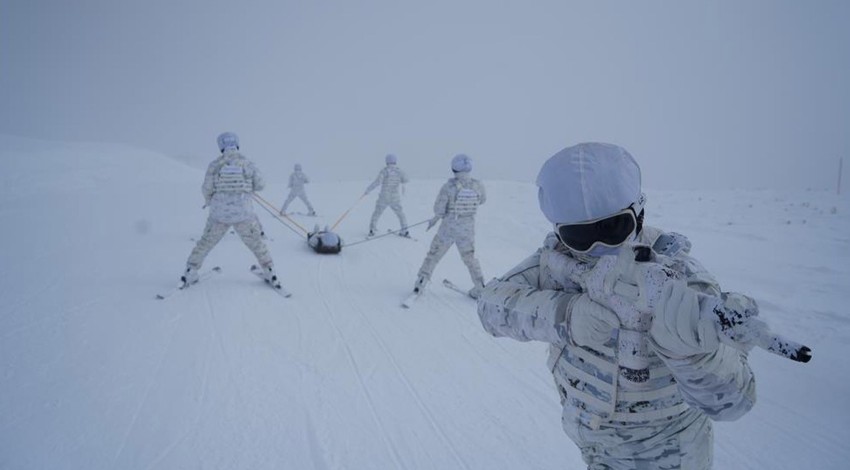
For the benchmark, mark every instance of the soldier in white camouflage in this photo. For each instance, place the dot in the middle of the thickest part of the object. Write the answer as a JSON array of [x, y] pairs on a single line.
[[391, 180], [639, 383], [297, 180], [456, 206], [230, 182]]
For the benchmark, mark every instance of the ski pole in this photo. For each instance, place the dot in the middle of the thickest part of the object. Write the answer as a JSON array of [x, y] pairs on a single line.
[[344, 214]]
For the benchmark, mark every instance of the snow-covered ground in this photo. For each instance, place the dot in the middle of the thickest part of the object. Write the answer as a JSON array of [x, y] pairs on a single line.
[[96, 374]]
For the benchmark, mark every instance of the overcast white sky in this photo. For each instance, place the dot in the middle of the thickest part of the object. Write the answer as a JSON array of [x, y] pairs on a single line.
[[704, 94]]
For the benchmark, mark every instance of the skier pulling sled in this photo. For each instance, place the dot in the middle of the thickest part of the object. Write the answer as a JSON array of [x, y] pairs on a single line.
[[324, 242], [229, 185]]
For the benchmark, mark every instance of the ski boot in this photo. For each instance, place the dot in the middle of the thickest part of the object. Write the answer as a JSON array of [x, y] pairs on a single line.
[[476, 291], [190, 276], [270, 276], [420, 284]]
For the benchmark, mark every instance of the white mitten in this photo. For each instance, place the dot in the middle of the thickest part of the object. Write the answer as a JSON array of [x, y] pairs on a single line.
[[683, 322], [590, 323]]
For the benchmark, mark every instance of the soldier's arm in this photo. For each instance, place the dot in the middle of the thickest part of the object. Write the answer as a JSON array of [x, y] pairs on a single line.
[[482, 194], [441, 204], [720, 383], [376, 182], [257, 181], [207, 188], [515, 306]]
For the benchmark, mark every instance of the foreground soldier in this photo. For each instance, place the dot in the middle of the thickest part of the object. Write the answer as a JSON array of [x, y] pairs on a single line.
[[456, 205], [638, 364], [230, 181]]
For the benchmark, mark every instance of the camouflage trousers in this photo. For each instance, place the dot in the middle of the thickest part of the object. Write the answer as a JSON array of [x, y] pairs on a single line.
[[249, 231], [684, 442], [460, 232], [394, 203], [300, 194]]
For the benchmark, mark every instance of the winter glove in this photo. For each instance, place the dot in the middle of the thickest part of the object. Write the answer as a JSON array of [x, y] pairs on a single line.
[[606, 284], [590, 323], [559, 271], [683, 323], [433, 222]]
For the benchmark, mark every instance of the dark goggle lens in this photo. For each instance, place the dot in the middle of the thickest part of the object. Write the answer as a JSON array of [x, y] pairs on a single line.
[[611, 231]]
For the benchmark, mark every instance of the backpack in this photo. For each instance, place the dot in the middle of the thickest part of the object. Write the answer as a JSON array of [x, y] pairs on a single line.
[[231, 178], [465, 202]]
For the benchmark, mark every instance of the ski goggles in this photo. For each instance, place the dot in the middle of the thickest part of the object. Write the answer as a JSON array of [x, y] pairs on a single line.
[[610, 231]]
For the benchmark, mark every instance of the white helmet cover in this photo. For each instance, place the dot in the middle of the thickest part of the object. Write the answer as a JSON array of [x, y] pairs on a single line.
[[227, 140], [461, 163], [588, 181]]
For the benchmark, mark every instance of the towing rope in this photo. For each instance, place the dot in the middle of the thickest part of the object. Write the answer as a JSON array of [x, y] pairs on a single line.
[[368, 239], [271, 210]]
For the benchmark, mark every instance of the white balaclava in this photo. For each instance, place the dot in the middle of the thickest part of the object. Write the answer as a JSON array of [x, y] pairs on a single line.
[[589, 181], [391, 159]]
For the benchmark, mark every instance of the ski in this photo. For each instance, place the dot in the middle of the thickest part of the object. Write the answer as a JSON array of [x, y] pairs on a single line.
[[451, 285], [410, 300], [201, 277], [402, 236], [277, 288]]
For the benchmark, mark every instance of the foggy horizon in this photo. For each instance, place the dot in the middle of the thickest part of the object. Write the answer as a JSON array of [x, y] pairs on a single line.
[[720, 95]]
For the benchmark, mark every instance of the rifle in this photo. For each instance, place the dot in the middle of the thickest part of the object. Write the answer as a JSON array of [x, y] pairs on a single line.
[[729, 322]]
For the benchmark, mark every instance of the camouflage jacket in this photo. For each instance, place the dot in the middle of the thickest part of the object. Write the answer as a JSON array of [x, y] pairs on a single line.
[[228, 186], [528, 303]]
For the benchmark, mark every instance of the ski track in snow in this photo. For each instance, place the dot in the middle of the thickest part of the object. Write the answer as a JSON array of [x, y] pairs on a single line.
[[207, 365], [317, 451], [219, 339], [397, 459], [150, 384], [401, 375], [43, 320]]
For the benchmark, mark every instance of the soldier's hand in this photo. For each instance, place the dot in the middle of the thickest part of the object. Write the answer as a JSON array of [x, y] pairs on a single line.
[[590, 323], [606, 284], [683, 322]]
